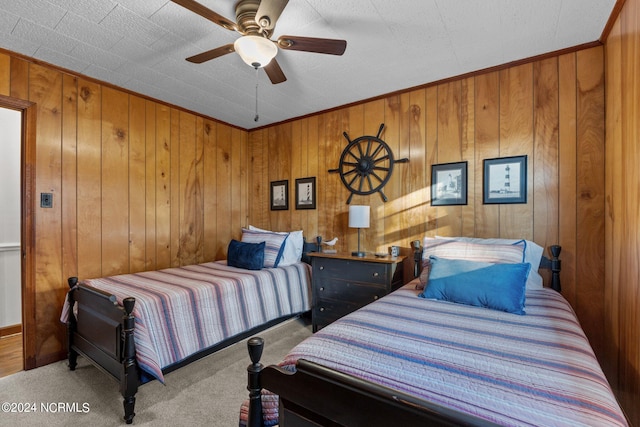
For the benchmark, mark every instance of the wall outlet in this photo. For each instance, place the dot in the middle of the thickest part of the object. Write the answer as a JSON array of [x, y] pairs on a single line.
[[46, 200]]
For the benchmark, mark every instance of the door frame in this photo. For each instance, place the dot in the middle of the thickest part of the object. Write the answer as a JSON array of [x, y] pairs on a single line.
[[27, 223]]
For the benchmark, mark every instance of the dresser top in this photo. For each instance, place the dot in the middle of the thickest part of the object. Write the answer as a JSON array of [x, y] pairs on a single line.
[[367, 258]]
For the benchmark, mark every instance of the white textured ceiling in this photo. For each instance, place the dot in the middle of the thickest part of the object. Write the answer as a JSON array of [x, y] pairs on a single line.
[[141, 45]]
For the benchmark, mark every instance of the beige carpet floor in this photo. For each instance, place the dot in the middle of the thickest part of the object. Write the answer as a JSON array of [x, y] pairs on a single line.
[[208, 392]]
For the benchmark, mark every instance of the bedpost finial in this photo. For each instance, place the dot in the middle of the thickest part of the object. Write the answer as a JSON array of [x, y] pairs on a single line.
[[128, 304], [255, 346], [555, 250], [72, 281]]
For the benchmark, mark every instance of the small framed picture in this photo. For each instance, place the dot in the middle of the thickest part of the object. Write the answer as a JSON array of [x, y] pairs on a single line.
[[306, 193], [449, 184], [505, 180], [279, 195]]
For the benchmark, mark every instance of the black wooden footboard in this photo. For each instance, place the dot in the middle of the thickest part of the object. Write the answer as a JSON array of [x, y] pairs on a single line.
[[319, 396], [102, 331]]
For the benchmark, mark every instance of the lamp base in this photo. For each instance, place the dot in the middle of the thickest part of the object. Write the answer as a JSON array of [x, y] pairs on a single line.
[[358, 254]]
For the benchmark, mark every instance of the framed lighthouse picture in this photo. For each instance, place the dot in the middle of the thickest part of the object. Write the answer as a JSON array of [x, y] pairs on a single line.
[[306, 193], [449, 184], [505, 180], [280, 195]]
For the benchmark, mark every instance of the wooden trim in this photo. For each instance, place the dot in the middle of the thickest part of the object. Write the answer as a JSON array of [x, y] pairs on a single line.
[[109, 85], [5, 331], [615, 13], [13, 103], [446, 80], [27, 178], [28, 233]]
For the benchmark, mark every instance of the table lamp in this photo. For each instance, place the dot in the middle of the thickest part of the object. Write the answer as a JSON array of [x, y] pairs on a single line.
[[358, 218]]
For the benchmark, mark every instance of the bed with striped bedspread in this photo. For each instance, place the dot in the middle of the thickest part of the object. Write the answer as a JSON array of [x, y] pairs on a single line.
[[535, 370], [180, 311]]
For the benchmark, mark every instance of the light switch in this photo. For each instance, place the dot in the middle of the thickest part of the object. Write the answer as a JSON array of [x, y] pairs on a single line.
[[46, 200]]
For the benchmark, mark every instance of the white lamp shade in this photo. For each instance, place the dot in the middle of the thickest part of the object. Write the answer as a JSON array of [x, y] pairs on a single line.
[[359, 216], [256, 51]]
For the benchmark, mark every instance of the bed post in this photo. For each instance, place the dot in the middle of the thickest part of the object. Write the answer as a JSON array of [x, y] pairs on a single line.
[[72, 325], [417, 258], [255, 346], [129, 381], [555, 267]]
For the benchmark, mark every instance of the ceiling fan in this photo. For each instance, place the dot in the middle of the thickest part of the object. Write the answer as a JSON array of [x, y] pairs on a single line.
[[255, 21]]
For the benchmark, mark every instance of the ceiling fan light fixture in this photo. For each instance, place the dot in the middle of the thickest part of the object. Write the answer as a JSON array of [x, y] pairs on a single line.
[[255, 51]]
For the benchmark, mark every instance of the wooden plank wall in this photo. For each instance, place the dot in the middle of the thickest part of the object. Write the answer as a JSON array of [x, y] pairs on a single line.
[[140, 185], [551, 110], [137, 185], [622, 298]]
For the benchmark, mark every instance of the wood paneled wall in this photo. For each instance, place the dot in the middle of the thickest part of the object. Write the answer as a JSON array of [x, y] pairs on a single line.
[[141, 185], [622, 297], [551, 110], [136, 184]]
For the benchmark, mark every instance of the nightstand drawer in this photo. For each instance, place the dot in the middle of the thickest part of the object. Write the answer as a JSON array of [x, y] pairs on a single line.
[[351, 270], [347, 290], [336, 298]]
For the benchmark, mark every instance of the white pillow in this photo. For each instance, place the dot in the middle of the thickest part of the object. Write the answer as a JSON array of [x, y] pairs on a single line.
[[293, 246], [532, 254], [459, 249]]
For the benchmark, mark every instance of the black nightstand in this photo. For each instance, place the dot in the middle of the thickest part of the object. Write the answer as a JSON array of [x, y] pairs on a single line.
[[343, 283]]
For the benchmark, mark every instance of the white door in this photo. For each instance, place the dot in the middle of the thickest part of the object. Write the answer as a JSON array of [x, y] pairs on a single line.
[[10, 270]]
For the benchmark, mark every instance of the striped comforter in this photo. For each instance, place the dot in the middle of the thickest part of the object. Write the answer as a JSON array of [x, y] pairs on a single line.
[[180, 311], [534, 370]]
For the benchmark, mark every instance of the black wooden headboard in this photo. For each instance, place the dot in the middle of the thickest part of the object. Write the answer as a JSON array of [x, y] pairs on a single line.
[[307, 248]]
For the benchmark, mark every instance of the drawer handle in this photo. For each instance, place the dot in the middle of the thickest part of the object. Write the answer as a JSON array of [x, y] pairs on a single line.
[[321, 288], [321, 267], [376, 274], [321, 308]]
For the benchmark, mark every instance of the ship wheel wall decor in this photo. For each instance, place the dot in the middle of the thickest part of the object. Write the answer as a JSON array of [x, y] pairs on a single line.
[[366, 165]]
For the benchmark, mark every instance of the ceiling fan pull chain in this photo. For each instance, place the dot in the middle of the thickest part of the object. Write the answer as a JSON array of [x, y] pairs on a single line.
[[255, 119]]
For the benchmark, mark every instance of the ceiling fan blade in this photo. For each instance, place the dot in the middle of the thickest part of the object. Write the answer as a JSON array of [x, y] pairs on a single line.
[[268, 13], [207, 13], [211, 54], [274, 72], [311, 44]]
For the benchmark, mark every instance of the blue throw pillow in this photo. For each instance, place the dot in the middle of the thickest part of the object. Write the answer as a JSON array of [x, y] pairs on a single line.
[[481, 284], [249, 256]]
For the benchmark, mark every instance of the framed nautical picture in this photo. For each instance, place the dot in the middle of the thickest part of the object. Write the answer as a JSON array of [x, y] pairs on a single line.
[[306, 193], [279, 195], [505, 180], [449, 184]]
